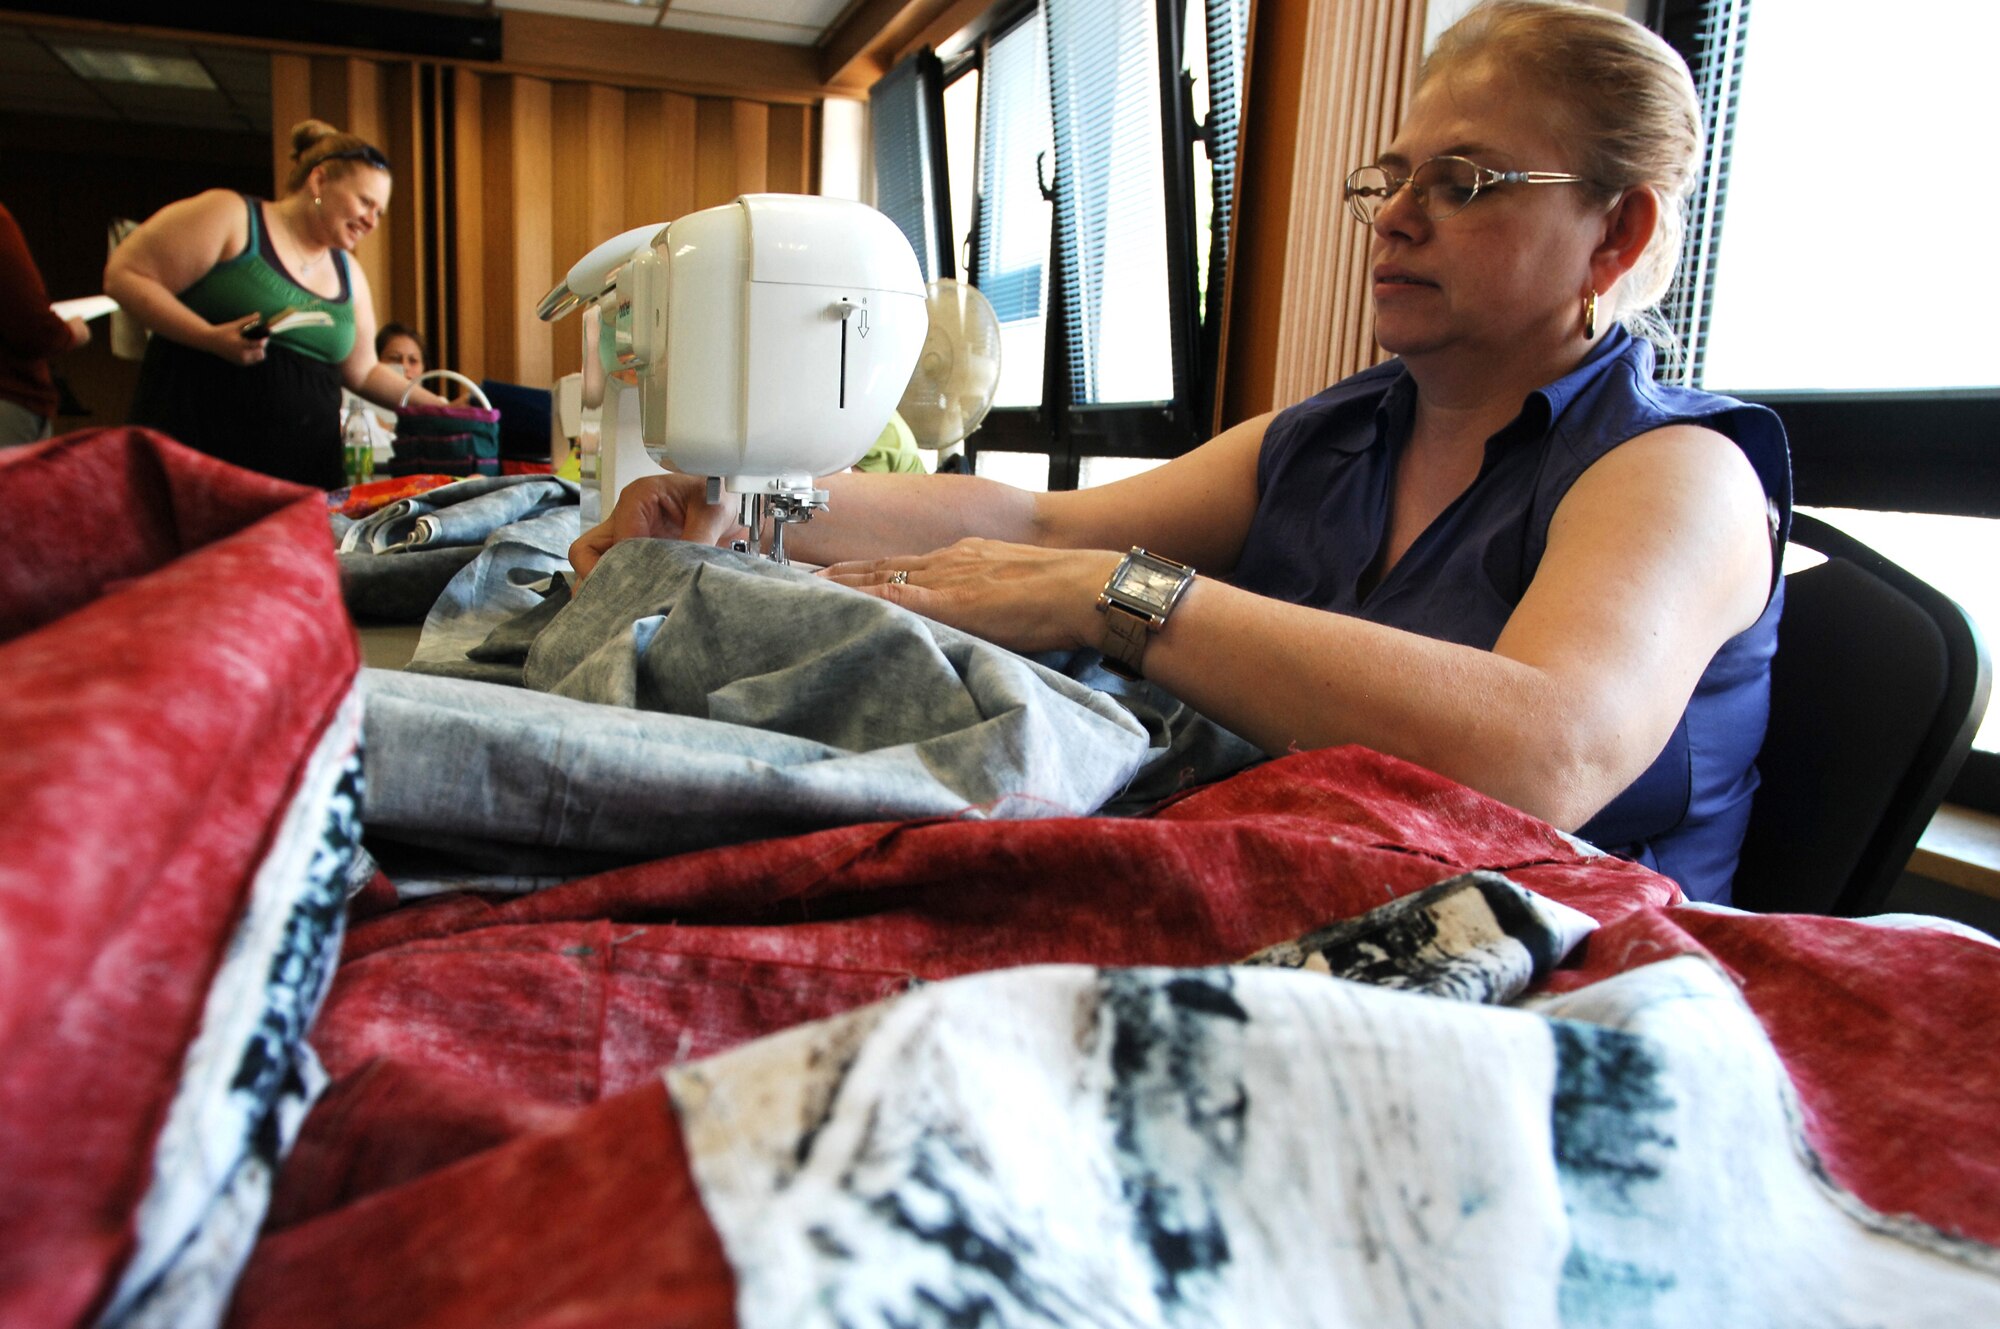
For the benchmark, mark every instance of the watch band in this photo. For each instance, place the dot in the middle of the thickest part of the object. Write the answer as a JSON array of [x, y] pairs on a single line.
[[1136, 602], [1124, 644]]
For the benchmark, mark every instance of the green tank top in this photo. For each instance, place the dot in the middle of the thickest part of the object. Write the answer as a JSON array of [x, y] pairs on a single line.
[[256, 281]]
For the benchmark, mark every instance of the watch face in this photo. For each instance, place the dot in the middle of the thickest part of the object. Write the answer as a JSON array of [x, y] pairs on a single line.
[[1149, 583]]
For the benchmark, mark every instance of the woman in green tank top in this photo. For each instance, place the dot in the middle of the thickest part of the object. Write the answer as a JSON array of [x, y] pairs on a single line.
[[204, 273]]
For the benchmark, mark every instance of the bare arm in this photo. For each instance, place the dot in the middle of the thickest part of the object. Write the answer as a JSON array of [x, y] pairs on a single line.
[[169, 253], [361, 372], [1196, 508], [1658, 555]]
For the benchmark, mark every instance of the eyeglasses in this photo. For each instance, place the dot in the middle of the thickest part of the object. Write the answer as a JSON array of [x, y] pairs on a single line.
[[1441, 186], [370, 156]]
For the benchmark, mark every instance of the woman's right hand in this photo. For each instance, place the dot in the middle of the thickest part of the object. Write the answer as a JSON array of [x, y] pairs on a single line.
[[670, 506], [227, 340]]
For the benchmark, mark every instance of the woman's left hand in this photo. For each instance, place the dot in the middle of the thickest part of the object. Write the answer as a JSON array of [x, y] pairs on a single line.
[[1023, 597]]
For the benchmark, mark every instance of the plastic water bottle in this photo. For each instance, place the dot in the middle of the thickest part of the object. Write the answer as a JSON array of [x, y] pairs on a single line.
[[358, 443]]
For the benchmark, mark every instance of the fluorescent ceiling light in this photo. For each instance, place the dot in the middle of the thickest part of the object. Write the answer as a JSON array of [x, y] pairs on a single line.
[[160, 71]]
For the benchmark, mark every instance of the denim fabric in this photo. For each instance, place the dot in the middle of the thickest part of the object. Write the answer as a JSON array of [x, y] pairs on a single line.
[[380, 588], [465, 513], [703, 697], [507, 579], [398, 565]]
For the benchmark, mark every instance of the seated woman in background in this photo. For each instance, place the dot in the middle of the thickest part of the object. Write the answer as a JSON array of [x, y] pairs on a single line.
[[400, 347], [203, 272], [1508, 554]]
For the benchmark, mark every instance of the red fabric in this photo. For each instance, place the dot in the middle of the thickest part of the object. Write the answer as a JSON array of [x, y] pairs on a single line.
[[374, 495], [497, 1149], [462, 1023], [552, 1002], [594, 1224], [173, 644], [1891, 1037]]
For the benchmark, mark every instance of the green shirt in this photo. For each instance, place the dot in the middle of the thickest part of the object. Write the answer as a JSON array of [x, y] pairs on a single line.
[[255, 281], [894, 451]]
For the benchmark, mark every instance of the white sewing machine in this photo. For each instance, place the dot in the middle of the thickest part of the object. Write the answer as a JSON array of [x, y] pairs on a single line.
[[760, 344]]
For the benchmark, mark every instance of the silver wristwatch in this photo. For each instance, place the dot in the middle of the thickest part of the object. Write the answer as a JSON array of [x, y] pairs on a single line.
[[1135, 603]]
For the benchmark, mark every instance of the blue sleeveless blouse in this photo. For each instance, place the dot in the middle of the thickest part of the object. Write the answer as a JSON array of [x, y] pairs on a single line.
[[1324, 480]]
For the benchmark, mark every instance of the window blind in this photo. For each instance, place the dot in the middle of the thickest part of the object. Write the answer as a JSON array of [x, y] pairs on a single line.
[[1110, 223], [904, 132], [1720, 33], [1228, 41], [1011, 237]]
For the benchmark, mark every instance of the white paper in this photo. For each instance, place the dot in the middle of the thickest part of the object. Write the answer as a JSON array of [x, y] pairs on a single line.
[[85, 307]]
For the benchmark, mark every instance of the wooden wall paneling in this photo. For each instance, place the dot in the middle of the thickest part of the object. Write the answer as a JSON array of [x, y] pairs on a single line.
[[291, 102], [791, 154], [714, 152], [1311, 295], [750, 133], [440, 316], [407, 225], [1267, 158], [1355, 139], [1330, 85], [518, 221], [348, 93], [588, 172], [468, 242], [660, 133], [645, 157]]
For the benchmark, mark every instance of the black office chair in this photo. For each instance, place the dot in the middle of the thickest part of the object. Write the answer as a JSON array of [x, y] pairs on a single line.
[[1878, 685]]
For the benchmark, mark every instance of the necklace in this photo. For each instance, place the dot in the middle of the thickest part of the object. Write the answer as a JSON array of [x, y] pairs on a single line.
[[305, 265]]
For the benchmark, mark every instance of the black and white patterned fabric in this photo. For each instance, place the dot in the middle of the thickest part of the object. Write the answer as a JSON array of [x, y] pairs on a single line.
[[1065, 1146], [249, 1076], [1477, 937]]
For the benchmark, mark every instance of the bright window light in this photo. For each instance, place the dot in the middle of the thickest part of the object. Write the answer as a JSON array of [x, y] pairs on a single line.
[[1023, 470], [1861, 191], [1093, 471]]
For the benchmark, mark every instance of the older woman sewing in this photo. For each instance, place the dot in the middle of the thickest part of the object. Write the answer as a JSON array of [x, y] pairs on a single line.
[[1508, 554]]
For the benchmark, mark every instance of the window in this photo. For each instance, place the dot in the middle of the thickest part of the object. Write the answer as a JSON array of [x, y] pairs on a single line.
[[1090, 205], [1860, 313], [1010, 240], [904, 111]]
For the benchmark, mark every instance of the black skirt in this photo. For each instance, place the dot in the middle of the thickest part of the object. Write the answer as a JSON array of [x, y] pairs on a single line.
[[280, 417]]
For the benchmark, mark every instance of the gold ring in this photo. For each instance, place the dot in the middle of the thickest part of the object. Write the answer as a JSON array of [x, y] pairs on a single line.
[[899, 578]]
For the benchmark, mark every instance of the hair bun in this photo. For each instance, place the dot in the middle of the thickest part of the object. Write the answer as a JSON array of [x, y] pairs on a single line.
[[308, 132]]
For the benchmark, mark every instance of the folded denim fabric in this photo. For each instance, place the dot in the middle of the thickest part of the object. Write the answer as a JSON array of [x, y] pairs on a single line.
[[703, 697], [509, 578], [402, 589], [464, 513]]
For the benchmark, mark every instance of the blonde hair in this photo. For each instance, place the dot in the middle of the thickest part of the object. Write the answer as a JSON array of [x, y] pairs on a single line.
[[316, 143], [1623, 98]]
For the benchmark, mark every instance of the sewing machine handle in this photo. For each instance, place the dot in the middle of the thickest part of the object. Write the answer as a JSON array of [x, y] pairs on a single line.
[[456, 377], [590, 276]]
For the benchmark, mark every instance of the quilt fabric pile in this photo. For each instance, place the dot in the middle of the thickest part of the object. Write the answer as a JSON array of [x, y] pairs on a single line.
[[1329, 1041]]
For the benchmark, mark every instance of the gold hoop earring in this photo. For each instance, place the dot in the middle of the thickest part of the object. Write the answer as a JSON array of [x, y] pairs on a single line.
[[1590, 317]]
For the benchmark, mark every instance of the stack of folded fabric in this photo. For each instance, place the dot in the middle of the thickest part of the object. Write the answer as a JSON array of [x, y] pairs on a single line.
[[446, 440], [179, 798]]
